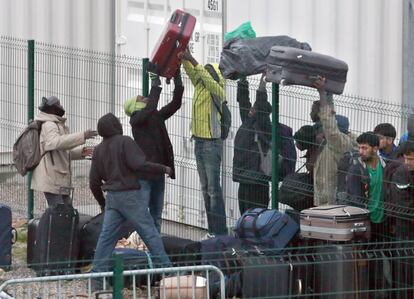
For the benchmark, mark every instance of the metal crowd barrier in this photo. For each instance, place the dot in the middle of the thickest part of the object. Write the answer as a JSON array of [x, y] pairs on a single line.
[[80, 285]]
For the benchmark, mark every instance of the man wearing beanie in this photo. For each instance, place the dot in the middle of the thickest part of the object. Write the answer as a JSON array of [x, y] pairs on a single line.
[[337, 140], [53, 175], [116, 164], [150, 133]]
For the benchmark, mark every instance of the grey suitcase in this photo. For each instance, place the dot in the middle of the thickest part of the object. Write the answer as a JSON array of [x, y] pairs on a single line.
[[244, 57], [291, 66], [335, 223]]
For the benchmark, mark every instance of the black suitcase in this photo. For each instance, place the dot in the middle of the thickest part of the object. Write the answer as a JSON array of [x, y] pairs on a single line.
[[342, 271], [31, 241], [56, 244], [265, 277], [6, 237], [31, 235], [182, 252], [89, 235], [302, 275], [301, 67]]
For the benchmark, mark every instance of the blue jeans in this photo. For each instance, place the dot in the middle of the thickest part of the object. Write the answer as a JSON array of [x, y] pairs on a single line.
[[208, 157], [121, 206], [153, 192]]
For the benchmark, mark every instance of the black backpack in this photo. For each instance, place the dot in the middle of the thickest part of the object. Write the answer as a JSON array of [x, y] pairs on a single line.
[[296, 191], [222, 107], [349, 158]]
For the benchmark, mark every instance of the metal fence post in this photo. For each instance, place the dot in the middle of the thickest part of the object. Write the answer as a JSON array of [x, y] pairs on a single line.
[[118, 278], [275, 145], [145, 77], [30, 116]]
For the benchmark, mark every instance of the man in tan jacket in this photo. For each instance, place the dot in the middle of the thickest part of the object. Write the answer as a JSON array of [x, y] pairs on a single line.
[[334, 143], [53, 175]]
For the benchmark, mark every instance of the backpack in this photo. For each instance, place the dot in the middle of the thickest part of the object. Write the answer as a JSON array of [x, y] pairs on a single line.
[[297, 190], [222, 107], [225, 115], [265, 158], [26, 149], [349, 158]]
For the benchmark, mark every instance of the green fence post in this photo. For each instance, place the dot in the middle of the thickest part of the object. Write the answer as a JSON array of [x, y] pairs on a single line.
[[145, 77], [118, 279], [275, 145], [30, 116]]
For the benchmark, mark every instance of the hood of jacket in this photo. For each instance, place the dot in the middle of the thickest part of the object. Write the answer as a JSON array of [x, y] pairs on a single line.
[[43, 117], [109, 125]]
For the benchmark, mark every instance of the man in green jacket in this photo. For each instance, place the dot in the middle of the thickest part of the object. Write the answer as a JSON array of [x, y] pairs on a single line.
[[206, 132]]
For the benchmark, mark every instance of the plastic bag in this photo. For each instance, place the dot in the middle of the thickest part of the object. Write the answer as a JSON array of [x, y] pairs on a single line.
[[244, 31]]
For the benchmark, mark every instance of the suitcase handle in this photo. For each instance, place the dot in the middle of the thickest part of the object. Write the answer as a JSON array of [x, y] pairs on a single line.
[[175, 18], [14, 234], [359, 228], [255, 215], [327, 208]]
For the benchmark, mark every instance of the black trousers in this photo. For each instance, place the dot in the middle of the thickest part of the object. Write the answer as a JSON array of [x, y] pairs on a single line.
[[253, 196]]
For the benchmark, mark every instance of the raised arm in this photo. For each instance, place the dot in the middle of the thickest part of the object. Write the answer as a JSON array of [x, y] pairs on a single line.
[[337, 141], [168, 110], [243, 98]]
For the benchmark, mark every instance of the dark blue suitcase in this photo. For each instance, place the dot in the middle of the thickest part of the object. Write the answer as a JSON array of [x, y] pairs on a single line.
[[6, 237], [268, 228]]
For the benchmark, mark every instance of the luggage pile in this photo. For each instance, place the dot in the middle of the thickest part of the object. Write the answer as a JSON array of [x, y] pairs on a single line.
[[260, 260], [62, 241], [285, 61]]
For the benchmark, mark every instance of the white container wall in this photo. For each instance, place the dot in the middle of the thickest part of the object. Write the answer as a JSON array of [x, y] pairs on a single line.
[[366, 34]]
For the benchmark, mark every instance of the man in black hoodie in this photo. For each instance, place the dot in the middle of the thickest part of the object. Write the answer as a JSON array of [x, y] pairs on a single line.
[[115, 165]]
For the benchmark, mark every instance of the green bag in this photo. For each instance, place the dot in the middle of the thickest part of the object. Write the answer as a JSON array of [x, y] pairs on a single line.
[[244, 31]]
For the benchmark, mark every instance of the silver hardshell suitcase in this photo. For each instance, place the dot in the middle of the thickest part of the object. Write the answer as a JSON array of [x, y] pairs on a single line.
[[335, 223], [291, 66]]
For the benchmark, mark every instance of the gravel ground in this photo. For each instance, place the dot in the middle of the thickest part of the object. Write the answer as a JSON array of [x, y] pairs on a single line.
[[68, 289], [13, 192]]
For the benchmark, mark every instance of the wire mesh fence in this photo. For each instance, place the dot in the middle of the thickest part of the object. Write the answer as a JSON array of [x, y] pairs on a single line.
[[185, 282], [313, 270], [91, 84]]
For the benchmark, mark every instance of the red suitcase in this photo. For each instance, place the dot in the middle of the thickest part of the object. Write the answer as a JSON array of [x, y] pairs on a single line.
[[177, 33]]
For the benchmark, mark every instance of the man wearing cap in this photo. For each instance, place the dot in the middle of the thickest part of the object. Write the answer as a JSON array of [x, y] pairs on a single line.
[[150, 133], [53, 175]]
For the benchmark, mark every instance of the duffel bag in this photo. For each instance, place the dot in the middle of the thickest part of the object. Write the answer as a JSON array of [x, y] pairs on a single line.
[[268, 228]]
